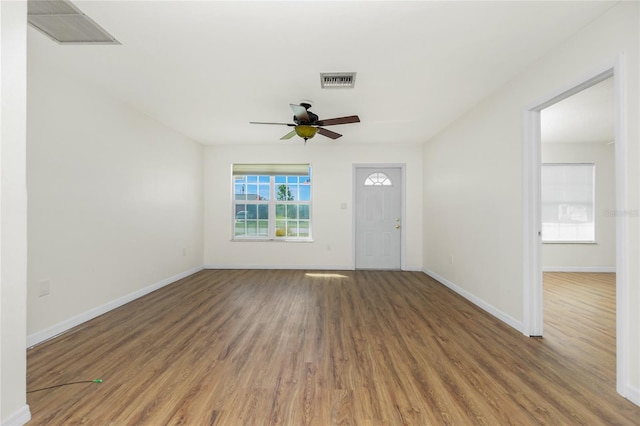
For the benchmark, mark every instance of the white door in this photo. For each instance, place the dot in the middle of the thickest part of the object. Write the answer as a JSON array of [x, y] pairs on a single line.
[[378, 217]]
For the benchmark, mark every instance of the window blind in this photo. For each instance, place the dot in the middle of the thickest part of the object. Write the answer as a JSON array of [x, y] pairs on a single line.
[[271, 169], [568, 202]]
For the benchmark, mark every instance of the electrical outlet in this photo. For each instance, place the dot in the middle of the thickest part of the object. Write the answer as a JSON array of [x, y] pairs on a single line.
[[184, 251], [44, 288], [451, 260]]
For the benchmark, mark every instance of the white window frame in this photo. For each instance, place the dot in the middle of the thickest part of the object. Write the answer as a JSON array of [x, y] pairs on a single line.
[[575, 221], [270, 171]]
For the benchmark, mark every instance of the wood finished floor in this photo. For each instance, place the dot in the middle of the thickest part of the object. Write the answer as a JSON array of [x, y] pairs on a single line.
[[249, 347]]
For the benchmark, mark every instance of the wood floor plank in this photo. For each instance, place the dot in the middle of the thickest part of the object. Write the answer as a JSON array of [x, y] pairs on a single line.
[[248, 347]]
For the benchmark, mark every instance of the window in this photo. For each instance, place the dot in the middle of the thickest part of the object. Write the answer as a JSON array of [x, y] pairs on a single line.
[[568, 203], [272, 201], [377, 179]]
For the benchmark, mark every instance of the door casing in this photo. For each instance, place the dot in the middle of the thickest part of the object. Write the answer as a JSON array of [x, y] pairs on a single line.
[[531, 196]]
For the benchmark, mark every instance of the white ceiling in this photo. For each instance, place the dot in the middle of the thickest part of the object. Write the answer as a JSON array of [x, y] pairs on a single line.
[[207, 68], [586, 117]]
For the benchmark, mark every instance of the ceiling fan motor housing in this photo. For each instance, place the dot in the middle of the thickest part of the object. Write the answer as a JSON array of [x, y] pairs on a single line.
[[312, 118]]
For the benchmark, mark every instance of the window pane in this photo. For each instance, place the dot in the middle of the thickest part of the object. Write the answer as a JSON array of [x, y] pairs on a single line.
[[303, 227], [264, 192], [292, 228], [252, 192], [240, 208], [293, 190], [304, 211], [244, 224], [263, 211], [252, 211], [305, 193], [239, 189], [281, 210], [295, 228], [283, 193], [245, 212], [568, 203], [239, 229], [292, 211], [263, 228], [251, 228]]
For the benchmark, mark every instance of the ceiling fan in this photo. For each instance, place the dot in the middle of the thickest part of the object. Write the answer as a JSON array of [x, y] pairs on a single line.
[[306, 124]]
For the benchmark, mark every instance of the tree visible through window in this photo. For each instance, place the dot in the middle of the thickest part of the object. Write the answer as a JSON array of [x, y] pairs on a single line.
[[272, 201], [284, 193]]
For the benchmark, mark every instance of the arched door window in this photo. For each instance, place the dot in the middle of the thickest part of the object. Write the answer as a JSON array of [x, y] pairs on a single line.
[[377, 179]]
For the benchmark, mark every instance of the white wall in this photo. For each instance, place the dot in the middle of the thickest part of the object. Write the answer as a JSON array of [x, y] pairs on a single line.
[[601, 256], [332, 165], [472, 216], [13, 205], [115, 201], [472, 180]]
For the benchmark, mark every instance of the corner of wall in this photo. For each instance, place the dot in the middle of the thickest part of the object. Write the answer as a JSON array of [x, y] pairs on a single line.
[[506, 318]]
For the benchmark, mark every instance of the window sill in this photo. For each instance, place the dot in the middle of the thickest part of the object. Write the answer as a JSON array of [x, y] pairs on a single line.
[[570, 242]]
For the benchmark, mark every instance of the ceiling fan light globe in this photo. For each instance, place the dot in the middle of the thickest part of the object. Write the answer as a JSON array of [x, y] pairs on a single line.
[[306, 132]]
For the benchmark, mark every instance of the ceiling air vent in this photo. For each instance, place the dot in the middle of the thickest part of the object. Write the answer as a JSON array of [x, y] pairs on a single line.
[[338, 80], [63, 22]]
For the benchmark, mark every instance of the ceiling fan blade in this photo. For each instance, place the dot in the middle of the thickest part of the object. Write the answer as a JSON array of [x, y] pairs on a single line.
[[300, 112], [328, 133], [281, 124], [288, 135], [339, 120]]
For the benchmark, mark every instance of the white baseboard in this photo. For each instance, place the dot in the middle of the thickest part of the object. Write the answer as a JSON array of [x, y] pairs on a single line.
[[61, 327], [578, 269], [632, 394], [19, 418], [412, 269], [310, 267], [507, 319]]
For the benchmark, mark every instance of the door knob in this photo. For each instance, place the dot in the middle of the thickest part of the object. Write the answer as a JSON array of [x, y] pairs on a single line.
[[397, 226]]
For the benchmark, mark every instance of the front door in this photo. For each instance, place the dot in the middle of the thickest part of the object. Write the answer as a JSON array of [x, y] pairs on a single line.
[[378, 217]]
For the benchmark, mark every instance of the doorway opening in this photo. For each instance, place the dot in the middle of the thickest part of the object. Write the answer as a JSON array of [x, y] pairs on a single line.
[[578, 228], [533, 318]]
